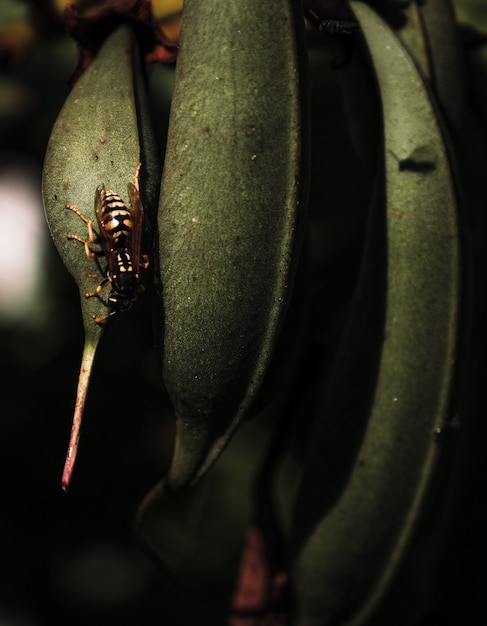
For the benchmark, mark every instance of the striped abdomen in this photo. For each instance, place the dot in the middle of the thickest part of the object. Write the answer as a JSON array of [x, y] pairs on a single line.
[[115, 218]]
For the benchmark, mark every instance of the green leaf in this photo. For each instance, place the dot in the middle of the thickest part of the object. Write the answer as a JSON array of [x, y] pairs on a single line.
[[372, 456], [96, 140], [231, 214]]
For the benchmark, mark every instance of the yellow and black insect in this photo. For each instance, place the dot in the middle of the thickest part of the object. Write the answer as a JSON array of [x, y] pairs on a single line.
[[120, 229]]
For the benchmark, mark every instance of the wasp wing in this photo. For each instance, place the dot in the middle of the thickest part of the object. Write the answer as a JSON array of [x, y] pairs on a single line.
[[137, 211]]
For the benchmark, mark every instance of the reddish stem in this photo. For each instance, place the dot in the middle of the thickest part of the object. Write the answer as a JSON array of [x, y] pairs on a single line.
[[83, 382]]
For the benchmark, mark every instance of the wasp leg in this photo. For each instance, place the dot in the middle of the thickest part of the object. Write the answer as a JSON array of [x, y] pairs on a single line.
[[91, 233], [100, 320], [89, 252], [144, 261], [103, 283]]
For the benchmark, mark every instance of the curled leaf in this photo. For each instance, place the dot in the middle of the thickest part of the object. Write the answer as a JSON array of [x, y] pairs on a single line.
[[95, 140], [372, 455]]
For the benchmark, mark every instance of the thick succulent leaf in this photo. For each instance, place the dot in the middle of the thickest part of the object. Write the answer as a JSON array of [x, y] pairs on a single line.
[[180, 531], [230, 214], [373, 455], [96, 140]]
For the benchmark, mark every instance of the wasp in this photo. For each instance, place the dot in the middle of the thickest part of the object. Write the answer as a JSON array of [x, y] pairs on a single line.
[[120, 229]]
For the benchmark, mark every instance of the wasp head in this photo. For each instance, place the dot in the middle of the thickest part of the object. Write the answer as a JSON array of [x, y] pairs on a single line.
[[125, 284], [121, 302]]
